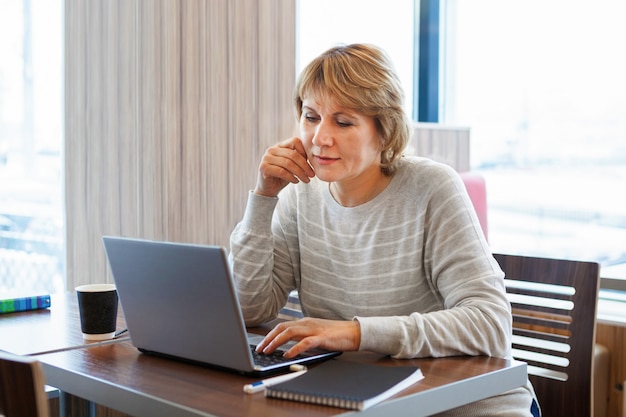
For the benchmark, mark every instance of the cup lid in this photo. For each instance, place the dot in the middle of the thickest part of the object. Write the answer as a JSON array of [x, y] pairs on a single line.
[[95, 287]]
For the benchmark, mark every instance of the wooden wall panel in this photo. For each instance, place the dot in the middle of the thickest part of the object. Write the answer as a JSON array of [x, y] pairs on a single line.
[[614, 338], [169, 107], [243, 107], [447, 144]]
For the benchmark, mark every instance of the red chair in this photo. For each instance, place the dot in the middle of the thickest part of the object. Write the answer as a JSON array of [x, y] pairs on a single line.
[[477, 190]]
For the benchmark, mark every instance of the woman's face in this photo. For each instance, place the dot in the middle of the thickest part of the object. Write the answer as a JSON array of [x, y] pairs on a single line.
[[341, 145]]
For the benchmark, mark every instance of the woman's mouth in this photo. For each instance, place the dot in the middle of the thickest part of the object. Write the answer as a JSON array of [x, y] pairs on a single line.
[[324, 160]]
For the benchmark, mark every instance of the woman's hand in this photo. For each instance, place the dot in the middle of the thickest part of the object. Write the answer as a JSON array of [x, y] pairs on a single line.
[[281, 164], [313, 333]]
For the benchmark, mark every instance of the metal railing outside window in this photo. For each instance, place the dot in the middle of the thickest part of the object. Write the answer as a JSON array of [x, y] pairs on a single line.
[[32, 257]]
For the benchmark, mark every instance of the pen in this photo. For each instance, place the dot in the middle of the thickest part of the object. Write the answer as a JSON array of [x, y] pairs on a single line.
[[121, 332], [260, 385]]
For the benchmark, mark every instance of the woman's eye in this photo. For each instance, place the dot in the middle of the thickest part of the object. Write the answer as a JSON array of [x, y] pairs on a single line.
[[343, 124], [311, 118]]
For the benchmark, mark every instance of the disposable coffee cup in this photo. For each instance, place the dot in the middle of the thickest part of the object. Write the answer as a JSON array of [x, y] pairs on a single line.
[[97, 304]]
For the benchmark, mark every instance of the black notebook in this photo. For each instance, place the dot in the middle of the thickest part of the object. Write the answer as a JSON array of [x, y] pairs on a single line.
[[345, 384]]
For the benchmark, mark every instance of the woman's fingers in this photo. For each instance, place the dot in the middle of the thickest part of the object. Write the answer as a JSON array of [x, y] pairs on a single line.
[[312, 333], [282, 164]]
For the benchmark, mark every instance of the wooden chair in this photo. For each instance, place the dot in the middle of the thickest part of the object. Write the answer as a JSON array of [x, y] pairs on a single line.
[[292, 310], [22, 383], [554, 315]]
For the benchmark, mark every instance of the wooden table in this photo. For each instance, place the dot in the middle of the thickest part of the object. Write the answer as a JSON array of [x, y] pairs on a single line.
[[52, 329], [120, 377], [116, 375]]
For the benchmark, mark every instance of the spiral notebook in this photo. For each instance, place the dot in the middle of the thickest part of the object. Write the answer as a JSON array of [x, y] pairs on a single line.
[[352, 385]]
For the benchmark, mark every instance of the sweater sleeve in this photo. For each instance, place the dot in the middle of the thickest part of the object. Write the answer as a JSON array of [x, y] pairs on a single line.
[[257, 257], [475, 317]]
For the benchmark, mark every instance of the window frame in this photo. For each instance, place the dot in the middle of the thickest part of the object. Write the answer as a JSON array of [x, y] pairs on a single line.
[[426, 61]]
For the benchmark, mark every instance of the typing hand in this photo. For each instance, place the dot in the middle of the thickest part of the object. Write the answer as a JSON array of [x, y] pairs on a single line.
[[281, 164], [313, 333]]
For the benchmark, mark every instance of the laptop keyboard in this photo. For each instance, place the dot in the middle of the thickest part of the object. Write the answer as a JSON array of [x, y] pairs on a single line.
[[273, 358]]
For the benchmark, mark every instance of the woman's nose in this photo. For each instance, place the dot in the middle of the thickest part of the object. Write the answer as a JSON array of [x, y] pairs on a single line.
[[323, 135]]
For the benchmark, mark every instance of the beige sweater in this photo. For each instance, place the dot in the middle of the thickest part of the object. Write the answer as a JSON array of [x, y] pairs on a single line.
[[412, 266]]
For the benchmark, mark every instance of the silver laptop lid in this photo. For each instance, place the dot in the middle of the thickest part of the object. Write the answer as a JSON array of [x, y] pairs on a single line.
[[180, 300]]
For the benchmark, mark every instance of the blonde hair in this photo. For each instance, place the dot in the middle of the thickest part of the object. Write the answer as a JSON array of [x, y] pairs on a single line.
[[361, 77]]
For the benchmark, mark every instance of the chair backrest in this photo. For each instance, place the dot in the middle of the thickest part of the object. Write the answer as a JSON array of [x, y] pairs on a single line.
[[292, 310], [554, 315], [22, 387], [477, 191]]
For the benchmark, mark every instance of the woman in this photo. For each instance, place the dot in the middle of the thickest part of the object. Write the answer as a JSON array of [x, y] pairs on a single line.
[[385, 250]]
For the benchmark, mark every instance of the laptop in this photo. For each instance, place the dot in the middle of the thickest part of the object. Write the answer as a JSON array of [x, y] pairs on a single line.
[[180, 301]]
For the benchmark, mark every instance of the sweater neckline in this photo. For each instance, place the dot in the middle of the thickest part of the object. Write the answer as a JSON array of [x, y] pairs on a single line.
[[390, 189]]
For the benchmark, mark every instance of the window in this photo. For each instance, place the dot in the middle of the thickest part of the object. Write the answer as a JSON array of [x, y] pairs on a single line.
[[31, 118], [542, 87], [322, 24]]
